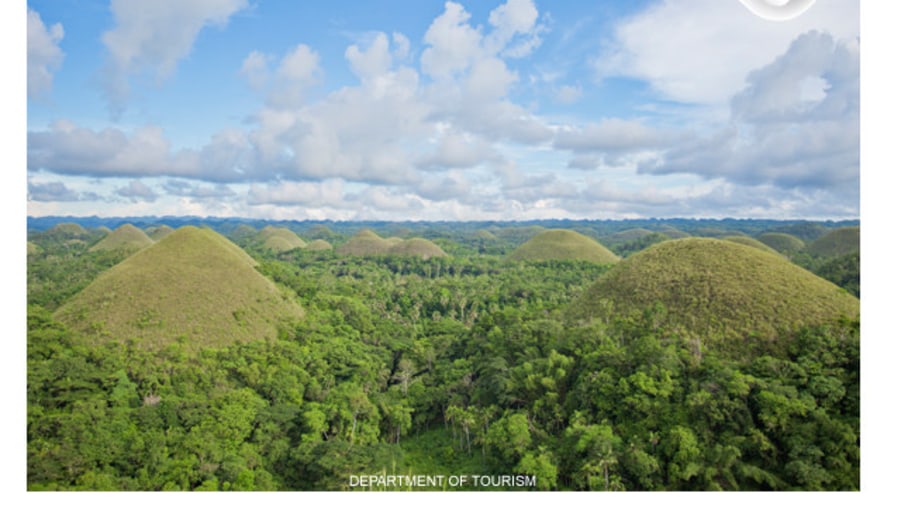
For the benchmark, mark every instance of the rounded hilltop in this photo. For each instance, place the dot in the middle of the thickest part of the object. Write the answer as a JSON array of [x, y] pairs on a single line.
[[782, 242], [126, 237], [279, 239], [564, 245], [716, 290], [842, 241], [368, 243], [193, 285]]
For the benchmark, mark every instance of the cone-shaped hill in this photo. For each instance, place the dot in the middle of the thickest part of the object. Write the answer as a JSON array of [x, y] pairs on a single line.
[[318, 245], [417, 247], [126, 237], [68, 229], [782, 242], [365, 242], [279, 239], [565, 245], [838, 242], [193, 285], [716, 289]]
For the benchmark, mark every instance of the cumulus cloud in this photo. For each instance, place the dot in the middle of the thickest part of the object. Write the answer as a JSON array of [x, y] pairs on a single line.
[[136, 191], [44, 53], [700, 51], [329, 193], [154, 36], [66, 148], [55, 191], [780, 134]]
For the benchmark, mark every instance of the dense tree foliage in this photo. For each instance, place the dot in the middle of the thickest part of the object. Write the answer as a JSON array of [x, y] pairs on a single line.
[[455, 365]]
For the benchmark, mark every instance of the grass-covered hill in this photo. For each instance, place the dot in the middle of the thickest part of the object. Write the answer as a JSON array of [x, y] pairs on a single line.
[[368, 243], [716, 289], [363, 243], [159, 232], [242, 232], [782, 242], [562, 244], [68, 229], [842, 241], [753, 243], [318, 245], [279, 239], [193, 286], [126, 237], [416, 247], [33, 249]]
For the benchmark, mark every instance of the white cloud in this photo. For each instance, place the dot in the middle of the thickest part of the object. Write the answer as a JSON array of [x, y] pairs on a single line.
[[700, 51], [778, 136], [54, 191], [328, 193], [255, 69], [44, 53], [69, 149], [137, 191], [154, 36]]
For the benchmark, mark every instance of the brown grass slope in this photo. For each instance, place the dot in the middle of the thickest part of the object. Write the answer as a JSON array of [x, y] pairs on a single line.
[[717, 289], [562, 244], [417, 247], [126, 237], [838, 242], [193, 286]]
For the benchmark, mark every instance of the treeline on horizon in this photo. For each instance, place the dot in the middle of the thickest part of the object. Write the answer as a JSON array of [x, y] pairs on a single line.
[[467, 364]]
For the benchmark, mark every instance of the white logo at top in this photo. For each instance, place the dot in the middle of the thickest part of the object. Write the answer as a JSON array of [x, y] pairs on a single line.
[[778, 10]]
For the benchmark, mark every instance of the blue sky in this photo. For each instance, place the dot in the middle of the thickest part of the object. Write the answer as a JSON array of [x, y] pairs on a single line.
[[426, 110]]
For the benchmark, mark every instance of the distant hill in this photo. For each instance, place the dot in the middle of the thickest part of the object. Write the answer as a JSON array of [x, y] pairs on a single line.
[[279, 239], [716, 289], [562, 244], [70, 230], [806, 231], [242, 231], [838, 242], [126, 238], [159, 232], [782, 242], [416, 247], [753, 243], [364, 242], [193, 286], [318, 245]]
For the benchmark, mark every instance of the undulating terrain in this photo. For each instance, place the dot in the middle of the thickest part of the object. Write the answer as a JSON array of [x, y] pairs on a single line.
[[224, 354]]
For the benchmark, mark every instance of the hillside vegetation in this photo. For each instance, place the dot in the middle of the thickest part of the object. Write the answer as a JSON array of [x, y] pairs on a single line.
[[561, 244], [193, 286], [717, 290]]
